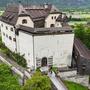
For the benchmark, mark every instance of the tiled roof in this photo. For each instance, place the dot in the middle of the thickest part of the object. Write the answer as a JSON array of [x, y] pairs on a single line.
[[10, 15], [35, 12]]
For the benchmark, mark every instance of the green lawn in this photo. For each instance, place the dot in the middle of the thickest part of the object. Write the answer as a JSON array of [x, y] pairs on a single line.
[[74, 86]]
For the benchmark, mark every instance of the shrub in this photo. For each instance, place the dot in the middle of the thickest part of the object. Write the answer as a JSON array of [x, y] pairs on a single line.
[[14, 56], [38, 82]]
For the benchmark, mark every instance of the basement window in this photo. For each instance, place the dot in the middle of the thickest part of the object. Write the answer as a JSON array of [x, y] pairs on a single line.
[[24, 21]]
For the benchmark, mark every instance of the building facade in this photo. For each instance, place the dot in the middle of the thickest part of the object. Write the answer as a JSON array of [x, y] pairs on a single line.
[[40, 33]]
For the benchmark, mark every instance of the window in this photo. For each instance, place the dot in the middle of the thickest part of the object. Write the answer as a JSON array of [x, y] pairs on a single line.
[[3, 34], [2, 25], [24, 21], [14, 39], [10, 37], [6, 28], [55, 17], [52, 25], [11, 29], [6, 35], [52, 17]]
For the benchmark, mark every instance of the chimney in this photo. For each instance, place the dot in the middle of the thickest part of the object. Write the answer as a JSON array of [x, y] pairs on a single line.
[[45, 5]]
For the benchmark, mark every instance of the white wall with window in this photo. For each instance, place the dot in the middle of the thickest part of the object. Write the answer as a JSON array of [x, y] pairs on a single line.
[[25, 20], [51, 20], [8, 34], [25, 47], [59, 47]]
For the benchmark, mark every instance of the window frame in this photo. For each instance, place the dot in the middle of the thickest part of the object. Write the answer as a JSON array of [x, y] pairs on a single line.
[[24, 21]]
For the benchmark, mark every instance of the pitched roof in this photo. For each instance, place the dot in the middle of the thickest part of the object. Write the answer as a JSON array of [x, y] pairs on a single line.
[[35, 12], [59, 19], [10, 15]]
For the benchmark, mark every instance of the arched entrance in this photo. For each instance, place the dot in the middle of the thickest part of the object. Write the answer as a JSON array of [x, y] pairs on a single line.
[[52, 25], [44, 62]]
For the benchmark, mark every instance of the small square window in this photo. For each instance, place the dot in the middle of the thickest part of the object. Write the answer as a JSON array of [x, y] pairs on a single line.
[[24, 21], [52, 17], [14, 39], [55, 17], [11, 29], [3, 34], [6, 35], [10, 37], [2, 25], [6, 28]]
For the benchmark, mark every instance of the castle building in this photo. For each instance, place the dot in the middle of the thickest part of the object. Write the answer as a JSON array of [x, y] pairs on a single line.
[[41, 33]]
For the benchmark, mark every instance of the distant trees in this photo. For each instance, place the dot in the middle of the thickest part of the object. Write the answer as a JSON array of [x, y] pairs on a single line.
[[83, 33], [38, 82], [7, 80]]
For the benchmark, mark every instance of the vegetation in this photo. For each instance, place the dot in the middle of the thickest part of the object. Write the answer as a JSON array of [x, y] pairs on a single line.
[[38, 82], [7, 80], [83, 33], [1, 12], [74, 86], [14, 56], [55, 69]]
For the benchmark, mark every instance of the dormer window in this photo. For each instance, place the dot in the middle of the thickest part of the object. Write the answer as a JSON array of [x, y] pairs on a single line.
[[24, 21], [52, 17], [55, 17]]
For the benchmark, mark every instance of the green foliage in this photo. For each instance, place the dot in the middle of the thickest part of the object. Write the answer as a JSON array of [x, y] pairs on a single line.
[[55, 69], [74, 86], [14, 56], [38, 82], [7, 80], [83, 33]]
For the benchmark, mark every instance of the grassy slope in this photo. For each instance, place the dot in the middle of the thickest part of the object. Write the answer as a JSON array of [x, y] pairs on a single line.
[[74, 86]]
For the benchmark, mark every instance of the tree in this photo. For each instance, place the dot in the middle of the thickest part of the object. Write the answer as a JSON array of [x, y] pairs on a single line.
[[83, 33], [7, 80], [79, 31], [38, 82]]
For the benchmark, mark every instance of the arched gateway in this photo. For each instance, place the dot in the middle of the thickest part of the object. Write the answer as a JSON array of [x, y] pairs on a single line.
[[44, 62]]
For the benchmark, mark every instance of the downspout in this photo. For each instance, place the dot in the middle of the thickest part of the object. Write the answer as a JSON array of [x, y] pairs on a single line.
[[33, 53], [16, 41]]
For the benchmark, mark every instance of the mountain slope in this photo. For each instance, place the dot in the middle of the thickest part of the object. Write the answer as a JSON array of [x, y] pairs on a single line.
[[58, 3]]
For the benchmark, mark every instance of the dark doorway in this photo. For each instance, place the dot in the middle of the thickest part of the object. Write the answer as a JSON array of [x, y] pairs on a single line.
[[44, 62], [52, 25]]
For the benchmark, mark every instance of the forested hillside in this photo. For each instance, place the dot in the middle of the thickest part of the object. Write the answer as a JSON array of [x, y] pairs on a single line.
[[58, 3]]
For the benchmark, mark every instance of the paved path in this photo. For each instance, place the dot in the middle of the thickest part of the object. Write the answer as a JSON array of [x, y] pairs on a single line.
[[14, 66], [59, 85]]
